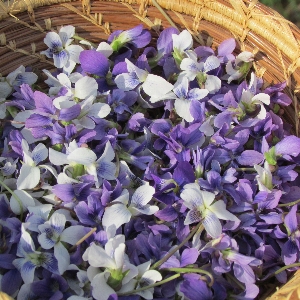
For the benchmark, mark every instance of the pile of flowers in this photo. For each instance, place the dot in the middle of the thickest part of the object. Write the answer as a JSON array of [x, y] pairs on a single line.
[[145, 172]]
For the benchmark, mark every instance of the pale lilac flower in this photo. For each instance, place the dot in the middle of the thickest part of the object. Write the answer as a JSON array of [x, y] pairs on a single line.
[[52, 235], [202, 209], [30, 259], [198, 70], [60, 49], [119, 212]]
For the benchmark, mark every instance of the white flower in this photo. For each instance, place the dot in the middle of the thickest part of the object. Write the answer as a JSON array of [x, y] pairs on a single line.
[[64, 55], [119, 213], [192, 69], [30, 174], [53, 233], [201, 209], [15, 78], [117, 268]]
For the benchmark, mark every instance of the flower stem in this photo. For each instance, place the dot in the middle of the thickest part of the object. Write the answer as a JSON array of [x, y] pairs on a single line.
[[167, 256], [283, 269], [149, 286], [15, 196], [192, 270], [245, 169], [83, 238], [164, 14], [289, 204], [76, 37]]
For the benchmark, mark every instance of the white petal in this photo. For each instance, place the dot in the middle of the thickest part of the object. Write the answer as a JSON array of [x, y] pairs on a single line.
[[62, 256], [132, 68], [21, 116], [106, 170], [182, 108], [117, 215], [192, 198], [39, 153], [207, 197], [219, 209], [97, 257], [86, 87], [45, 241], [127, 81], [57, 222], [74, 52], [212, 83], [183, 41], [211, 63], [99, 110], [262, 97], [109, 153], [26, 200], [119, 256], [156, 86], [212, 224], [262, 114], [5, 89], [146, 210], [57, 158], [26, 268], [193, 216], [64, 80], [84, 122], [105, 49], [142, 196], [66, 33], [73, 234], [152, 276], [29, 177], [52, 39], [101, 290], [83, 156]]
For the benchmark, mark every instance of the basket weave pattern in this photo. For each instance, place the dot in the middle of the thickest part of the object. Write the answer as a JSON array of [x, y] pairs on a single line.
[[256, 28]]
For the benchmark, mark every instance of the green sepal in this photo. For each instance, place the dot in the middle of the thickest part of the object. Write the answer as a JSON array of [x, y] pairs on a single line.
[[270, 157], [78, 170]]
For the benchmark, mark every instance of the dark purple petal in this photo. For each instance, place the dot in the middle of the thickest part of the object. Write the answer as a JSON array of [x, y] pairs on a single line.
[[289, 252], [65, 192], [167, 214], [165, 41], [142, 40], [188, 256], [36, 120], [194, 289], [6, 261], [291, 221], [94, 62], [43, 103], [290, 145], [71, 113], [226, 47], [11, 282], [250, 158], [184, 173]]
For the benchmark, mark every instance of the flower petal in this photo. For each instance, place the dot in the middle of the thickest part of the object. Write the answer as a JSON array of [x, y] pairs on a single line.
[[212, 224], [219, 209], [117, 215], [29, 177], [83, 156], [142, 196]]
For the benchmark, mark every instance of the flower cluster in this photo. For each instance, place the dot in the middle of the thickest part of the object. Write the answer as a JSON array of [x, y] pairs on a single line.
[[145, 172]]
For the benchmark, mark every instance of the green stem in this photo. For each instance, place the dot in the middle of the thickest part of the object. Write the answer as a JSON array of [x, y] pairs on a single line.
[[78, 38], [246, 169], [287, 267], [164, 14], [167, 256], [192, 270], [149, 286], [15, 196], [289, 204]]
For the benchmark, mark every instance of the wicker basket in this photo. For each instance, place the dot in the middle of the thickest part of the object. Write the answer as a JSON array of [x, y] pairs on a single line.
[[256, 28]]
